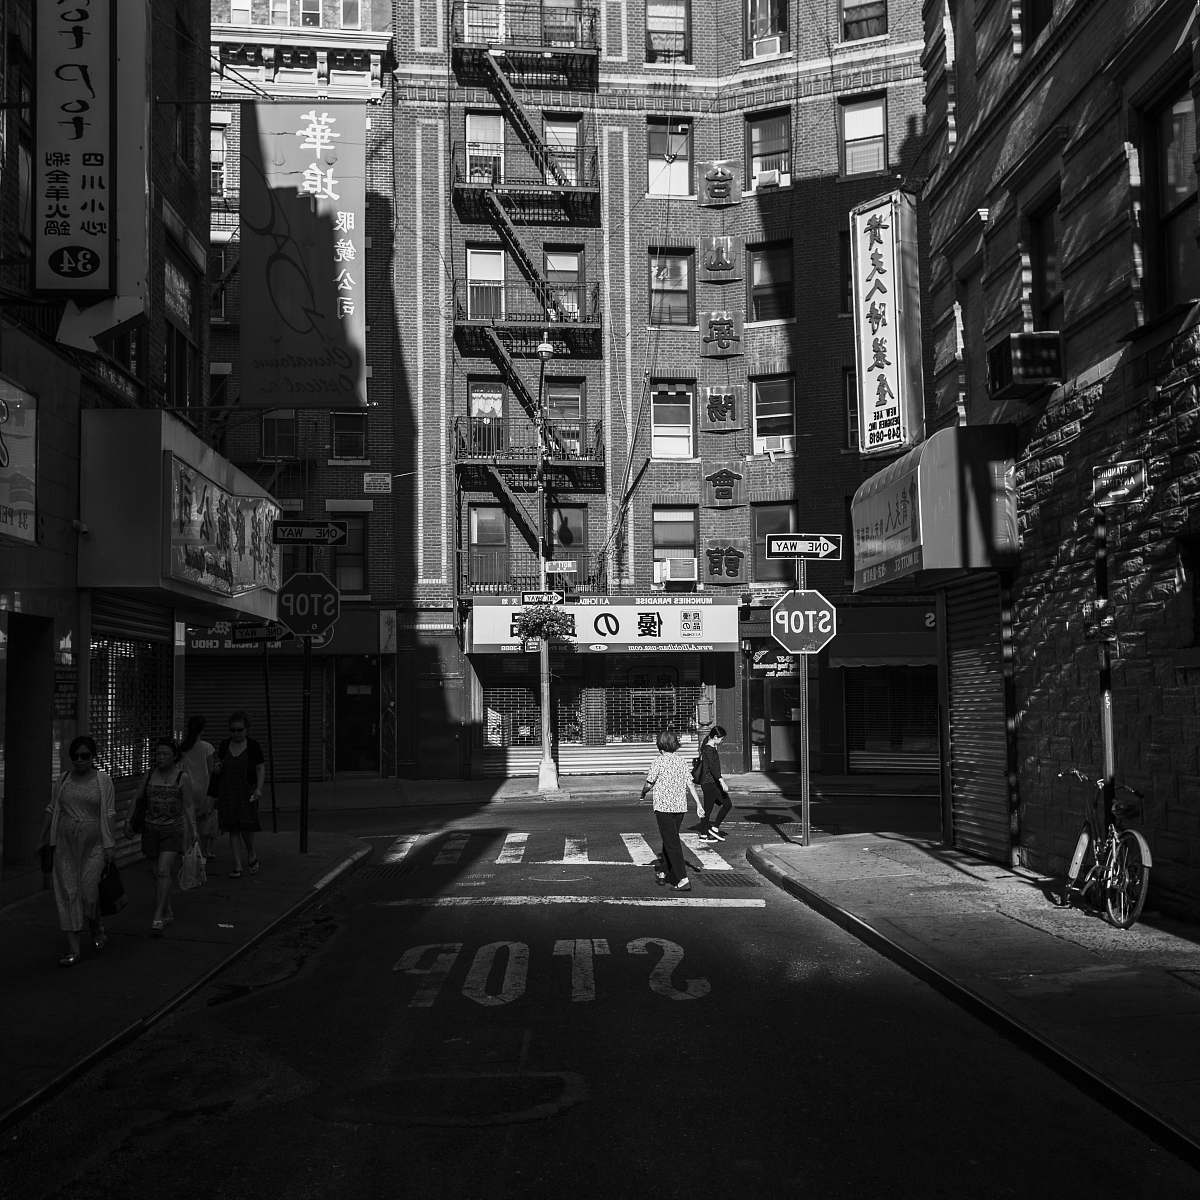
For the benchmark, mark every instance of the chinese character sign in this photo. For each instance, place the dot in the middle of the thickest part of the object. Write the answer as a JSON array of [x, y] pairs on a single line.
[[74, 139], [720, 334], [719, 184], [724, 561], [721, 408], [18, 464], [721, 259], [724, 485], [887, 323], [303, 264]]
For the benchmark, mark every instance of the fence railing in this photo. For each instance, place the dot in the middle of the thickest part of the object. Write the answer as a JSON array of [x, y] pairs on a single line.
[[483, 300], [565, 26], [494, 165], [567, 439]]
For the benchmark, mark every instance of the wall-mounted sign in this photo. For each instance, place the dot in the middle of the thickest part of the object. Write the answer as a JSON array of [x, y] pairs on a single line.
[[721, 259], [377, 483], [1120, 483], [721, 333], [302, 269], [722, 408], [720, 183], [18, 463], [74, 176], [887, 323], [724, 561], [724, 484]]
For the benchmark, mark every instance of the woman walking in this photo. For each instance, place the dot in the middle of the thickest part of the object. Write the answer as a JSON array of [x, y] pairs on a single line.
[[79, 825], [713, 785], [198, 756], [168, 826], [240, 769], [670, 780]]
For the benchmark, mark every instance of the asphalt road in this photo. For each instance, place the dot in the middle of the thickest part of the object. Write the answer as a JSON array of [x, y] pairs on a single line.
[[503, 1004]]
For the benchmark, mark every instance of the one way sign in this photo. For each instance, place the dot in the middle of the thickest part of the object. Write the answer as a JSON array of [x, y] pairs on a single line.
[[805, 545], [308, 533]]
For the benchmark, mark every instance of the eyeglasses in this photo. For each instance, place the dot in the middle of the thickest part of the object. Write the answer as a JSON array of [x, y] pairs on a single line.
[[81, 756], [237, 729]]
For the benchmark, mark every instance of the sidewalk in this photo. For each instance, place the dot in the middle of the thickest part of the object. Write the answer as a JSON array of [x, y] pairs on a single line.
[[1116, 1011], [61, 1020]]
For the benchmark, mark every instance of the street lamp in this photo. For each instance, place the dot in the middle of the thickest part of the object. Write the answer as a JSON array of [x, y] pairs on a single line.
[[547, 769]]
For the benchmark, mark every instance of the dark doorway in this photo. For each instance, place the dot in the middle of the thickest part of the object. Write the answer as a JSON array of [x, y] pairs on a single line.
[[28, 703], [357, 713]]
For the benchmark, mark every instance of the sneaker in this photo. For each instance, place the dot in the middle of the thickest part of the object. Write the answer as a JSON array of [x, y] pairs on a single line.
[[660, 878], [684, 885], [709, 835], [716, 833], [156, 928]]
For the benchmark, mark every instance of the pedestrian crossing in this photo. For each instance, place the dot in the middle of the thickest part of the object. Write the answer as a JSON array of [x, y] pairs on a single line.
[[541, 849]]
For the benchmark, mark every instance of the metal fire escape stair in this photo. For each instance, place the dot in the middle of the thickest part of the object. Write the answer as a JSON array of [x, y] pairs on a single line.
[[519, 507], [511, 105], [508, 368], [545, 293]]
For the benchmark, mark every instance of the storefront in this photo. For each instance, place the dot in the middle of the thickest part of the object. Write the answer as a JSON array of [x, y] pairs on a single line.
[[634, 666]]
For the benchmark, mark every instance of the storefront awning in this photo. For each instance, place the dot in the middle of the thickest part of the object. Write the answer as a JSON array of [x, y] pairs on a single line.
[[945, 507]]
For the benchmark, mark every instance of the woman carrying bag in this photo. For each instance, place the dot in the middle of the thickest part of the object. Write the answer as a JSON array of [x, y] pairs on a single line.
[[78, 838]]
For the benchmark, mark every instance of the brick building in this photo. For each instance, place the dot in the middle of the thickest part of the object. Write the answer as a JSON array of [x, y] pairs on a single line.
[[1062, 284]]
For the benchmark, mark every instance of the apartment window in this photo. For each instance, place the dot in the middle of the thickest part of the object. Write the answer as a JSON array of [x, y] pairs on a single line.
[[772, 518], [310, 13], [216, 159], [672, 301], [850, 393], [774, 414], [566, 539], [485, 147], [564, 414], [562, 140], [671, 421], [1174, 265], [668, 157], [674, 536], [766, 27], [485, 285], [280, 14], [1035, 16], [1046, 291], [216, 302], [769, 149], [350, 558], [771, 290], [239, 12], [863, 19], [864, 141], [349, 434], [487, 544], [182, 351], [564, 274], [668, 31], [351, 14], [845, 276], [279, 433]]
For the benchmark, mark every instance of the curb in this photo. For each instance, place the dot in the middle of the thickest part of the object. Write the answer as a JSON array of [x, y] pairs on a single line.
[[1168, 1135], [23, 1108]]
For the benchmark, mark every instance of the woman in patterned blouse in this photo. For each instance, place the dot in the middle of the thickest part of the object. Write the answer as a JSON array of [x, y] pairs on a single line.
[[670, 779]]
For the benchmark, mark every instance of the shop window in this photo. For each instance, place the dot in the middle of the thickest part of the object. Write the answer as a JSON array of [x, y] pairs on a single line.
[[864, 136], [774, 414], [771, 289], [130, 698], [769, 149], [772, 518], [1046, 290], [668, 32], [671, 421], [863, 19], [766, 27], [487, 545], [279, 433], [350, 558], [672, 301], [1173, 266], [349, 434], [668, 157]]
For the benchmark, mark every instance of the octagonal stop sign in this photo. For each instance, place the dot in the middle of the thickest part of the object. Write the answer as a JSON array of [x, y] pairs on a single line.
[[309, 604], [803, 621]]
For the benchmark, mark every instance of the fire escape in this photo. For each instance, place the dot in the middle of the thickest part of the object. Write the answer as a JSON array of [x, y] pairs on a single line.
[[529, 180]]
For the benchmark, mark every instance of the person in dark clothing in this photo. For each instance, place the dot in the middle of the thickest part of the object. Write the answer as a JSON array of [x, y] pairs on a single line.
[[713, 785], [240, 768]]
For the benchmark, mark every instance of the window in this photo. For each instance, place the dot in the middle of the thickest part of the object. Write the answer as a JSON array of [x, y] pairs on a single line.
[[564, 416], [845, 277], [566, 539], [279, 12], [671, 298], [772, 518], [668, 31], [671, 425], [351, 14], [864, 143], [766, 27], [1174, 264], [774, 414], [564, 274], [183, 356], [310, 13], [485, 403], [1035, 16], [349, 434], [485, 147], [216, 159], [562, 140], [279, 433], [769, 149], [771, 292], [488, 545], [1046, 292], [668, 157], [850, 392], [350, 558], [217, 269], [239, 12], [863, 19], [675, 534], [485, 285]]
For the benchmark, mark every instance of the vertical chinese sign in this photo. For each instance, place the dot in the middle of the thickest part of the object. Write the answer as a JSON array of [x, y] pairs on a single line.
[[303, 268], [74, 160], [887, 323]]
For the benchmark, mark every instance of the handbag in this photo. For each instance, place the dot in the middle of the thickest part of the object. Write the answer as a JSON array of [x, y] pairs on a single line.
[[137, 818], [111, 892], [192, 873], [697, 769]]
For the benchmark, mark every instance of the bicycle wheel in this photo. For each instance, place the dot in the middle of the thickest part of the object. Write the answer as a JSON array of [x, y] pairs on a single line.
[[1082, 862], [1127, 883]]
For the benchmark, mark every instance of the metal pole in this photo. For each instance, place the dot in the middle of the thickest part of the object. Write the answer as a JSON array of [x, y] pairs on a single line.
[[305, 713], [1107, 736], [547, 768], [270, 734], [805, 794]]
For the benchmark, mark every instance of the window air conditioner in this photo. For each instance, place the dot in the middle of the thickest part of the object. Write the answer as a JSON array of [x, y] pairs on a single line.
[[675, 570], [766, 179], [774, 445], [767, 45], [1023, 364]]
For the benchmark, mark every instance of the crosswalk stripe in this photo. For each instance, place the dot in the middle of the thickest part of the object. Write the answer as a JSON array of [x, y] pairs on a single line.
[[452, 849], [514, 848], [639, 849], [628, 901], [710, 860], [397, 851]]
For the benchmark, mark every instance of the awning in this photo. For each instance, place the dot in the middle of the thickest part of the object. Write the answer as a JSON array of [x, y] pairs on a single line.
[[945, 507], [885, 635]]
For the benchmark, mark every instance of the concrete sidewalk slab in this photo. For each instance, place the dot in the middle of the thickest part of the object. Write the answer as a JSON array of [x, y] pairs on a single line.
[[1117, 1011], [65, 1019]]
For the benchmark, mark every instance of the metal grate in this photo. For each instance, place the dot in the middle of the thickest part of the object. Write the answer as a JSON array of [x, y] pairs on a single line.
[[131, 701], [511, 717], [727, 879], [387, 870]]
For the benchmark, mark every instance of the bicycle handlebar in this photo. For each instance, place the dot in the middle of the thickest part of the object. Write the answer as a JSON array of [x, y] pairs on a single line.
[[1076, 773]]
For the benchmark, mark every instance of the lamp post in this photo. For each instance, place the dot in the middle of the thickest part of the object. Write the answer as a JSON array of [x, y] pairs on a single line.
[[547, 768]]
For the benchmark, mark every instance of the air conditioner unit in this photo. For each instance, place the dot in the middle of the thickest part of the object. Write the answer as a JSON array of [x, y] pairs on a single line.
[[774, 445], [675, 570], [1024, 363], [765, 46], [766, 179]]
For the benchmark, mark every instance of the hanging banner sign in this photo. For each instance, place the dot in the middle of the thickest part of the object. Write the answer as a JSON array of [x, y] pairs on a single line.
[[724, 485], [719, 183], [721, 334], [721, 259], [722, 408], [724, 561]]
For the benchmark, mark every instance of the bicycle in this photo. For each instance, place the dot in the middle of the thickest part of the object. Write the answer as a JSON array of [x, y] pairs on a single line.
[[1110, 868]]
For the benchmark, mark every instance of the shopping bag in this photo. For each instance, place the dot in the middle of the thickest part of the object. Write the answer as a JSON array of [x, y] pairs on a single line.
[[192, 873], [112, 891]]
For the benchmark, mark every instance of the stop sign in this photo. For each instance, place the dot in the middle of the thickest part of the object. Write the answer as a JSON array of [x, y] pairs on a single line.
[[309, 604], [803, 621]]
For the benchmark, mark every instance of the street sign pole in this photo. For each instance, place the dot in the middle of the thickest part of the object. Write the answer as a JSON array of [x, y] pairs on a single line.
[[270, 735], [805, 792], [305, 714]]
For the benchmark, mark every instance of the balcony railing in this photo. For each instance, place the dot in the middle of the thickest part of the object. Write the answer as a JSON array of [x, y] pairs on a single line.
[[483, 164], [512, 304], [516, 440], [492, 571], [550, 25]]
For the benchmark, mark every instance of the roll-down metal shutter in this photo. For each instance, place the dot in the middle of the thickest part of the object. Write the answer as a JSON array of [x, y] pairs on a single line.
[[215, 686], [978, 752], [117, 616]]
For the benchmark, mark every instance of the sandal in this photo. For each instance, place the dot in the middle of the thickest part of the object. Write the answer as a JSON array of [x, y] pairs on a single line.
[[254, 866], [100, 939], [68, 960], [236, 873]]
